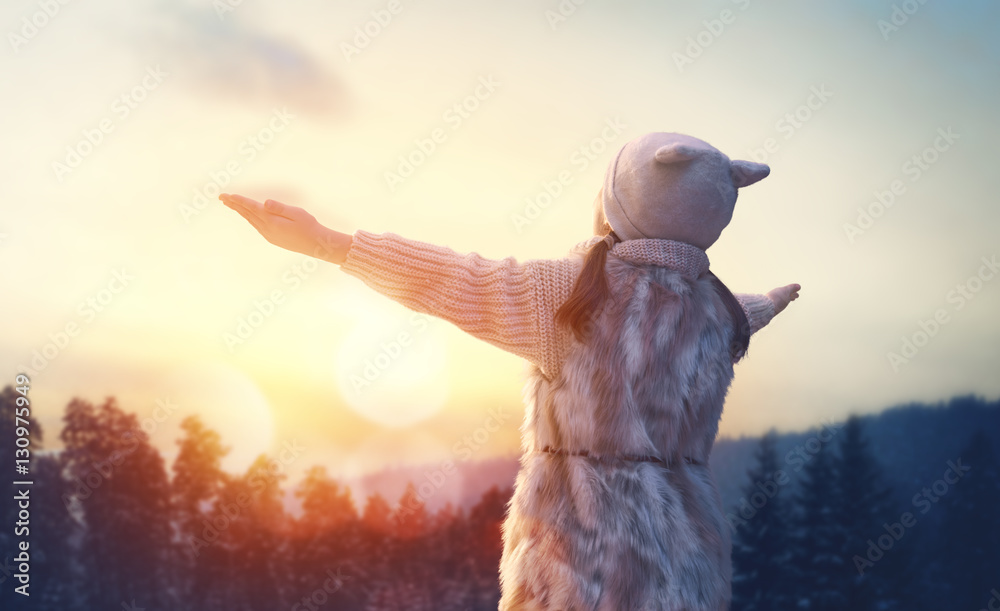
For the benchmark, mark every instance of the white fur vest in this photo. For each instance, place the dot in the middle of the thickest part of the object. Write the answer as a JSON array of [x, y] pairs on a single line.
[[599, 532]]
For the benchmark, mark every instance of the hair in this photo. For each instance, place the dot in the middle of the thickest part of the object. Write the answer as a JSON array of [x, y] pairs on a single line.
[[741, 340], [591, 291]]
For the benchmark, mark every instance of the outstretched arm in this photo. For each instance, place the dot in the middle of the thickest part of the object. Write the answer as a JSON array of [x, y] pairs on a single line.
[[493, 300], [760, 309]]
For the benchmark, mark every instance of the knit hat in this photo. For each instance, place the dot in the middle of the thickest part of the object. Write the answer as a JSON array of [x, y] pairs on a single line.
[[672, 187]]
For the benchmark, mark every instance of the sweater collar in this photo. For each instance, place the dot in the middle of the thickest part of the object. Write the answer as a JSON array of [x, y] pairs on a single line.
[[685, 258]]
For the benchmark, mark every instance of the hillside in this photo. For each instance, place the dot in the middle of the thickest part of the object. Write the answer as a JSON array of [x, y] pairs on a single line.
[[913, 442]]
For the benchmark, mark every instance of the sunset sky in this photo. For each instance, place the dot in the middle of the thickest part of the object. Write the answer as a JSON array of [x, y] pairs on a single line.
[[123, 121]]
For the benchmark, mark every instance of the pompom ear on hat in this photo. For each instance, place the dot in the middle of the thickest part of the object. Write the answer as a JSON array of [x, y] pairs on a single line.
[[676, 153], [745, 173], [673, 187]]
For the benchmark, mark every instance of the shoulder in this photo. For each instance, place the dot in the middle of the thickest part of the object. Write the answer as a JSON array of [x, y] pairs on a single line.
[[554, 273]]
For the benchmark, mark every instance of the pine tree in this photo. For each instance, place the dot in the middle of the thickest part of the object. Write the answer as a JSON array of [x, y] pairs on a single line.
[[970, 536], [257, 536], [326, 506], [818, 537], [50, 526], [120, 491], [762, 575], [325, 539], [53, 570], [377, 545], [486, 544], [197, 480], [376, 515], [864, 505], [410, 517], [448, 541]]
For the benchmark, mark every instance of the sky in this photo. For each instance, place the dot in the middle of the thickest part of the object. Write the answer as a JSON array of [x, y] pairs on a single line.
[[449, 122]]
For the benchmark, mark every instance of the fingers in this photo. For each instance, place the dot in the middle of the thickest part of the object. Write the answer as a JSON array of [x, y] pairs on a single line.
[[251, 207], [251, 218], [792, 292], [783, 295], [276, 207], [246, 212], [243, 201], [292, 213], [264, 211], [240, 202]]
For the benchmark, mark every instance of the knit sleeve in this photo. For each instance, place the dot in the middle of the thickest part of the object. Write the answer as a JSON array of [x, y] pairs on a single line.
[[502, 302], [758, 308]]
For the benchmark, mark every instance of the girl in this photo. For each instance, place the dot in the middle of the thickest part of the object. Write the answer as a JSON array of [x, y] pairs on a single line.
[[632, 342]]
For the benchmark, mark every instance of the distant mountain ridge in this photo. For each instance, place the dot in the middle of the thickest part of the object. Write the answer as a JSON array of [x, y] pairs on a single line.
[[911, 441]]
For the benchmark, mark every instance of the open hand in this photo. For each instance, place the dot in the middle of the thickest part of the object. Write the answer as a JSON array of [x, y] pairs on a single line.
[[290, 227], [783, 295]]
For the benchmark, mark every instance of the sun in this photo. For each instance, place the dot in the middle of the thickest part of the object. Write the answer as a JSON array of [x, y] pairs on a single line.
[[391, 365]]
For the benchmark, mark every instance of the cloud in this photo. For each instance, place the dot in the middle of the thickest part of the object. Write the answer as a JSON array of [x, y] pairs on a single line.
[[228, 57]]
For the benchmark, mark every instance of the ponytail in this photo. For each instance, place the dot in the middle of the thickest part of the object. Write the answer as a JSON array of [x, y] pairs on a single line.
[[590, 291]]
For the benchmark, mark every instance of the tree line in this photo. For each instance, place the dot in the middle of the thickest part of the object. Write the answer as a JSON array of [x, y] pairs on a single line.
[[846, 537], [113, 527]]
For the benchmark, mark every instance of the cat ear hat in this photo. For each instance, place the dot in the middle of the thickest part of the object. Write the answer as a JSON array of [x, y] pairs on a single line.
[[672, 187]]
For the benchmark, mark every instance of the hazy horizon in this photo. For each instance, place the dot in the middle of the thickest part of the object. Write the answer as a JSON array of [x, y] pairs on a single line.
[[123, 122]]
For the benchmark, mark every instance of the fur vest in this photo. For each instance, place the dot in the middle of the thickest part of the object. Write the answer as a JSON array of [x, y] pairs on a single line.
[[600, 532]]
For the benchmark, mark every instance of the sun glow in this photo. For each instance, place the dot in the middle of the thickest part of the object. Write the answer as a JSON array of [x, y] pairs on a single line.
[[396, 374], [227, 401]]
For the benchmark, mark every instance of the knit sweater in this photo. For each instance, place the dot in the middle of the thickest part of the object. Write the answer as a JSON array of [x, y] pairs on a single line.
[[509, 304]]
